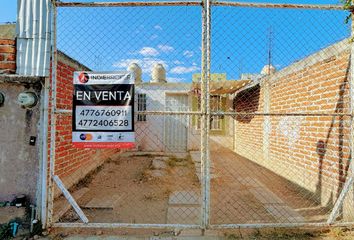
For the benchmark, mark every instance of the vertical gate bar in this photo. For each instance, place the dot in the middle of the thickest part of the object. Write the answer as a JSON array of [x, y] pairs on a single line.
[[52, 117], [202, 124], [207, 93], [350, 176], [44, 133], [205, 123], [44, 155], [351, 95]]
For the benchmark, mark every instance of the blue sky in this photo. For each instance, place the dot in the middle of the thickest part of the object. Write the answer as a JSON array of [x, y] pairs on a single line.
[[8, 10], [111, 38]]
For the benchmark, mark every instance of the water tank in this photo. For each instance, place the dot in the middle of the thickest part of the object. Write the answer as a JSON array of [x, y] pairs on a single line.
[[158, 74], [134, 67], [268, 70]]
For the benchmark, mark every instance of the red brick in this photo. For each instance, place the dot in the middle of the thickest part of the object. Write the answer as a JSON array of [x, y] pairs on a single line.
[[7, 49], [10, 57], [7, 42], [5, 65]]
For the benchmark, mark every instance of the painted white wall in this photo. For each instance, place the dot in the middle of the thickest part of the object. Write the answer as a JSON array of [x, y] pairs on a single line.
[[150, 134]]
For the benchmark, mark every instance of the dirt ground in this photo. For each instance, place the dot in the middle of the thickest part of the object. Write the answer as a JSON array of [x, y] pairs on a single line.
[[133, 189], [245, 192], [249, 234], [130, 190]]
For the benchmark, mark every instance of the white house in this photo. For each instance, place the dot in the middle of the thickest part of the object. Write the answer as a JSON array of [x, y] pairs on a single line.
[[157, 132], [179, 133]]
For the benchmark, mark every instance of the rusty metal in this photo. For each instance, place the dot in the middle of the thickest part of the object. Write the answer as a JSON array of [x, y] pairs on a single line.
[[199, 3], [53, 119], [300, 114], [128, 4], [279, 5]]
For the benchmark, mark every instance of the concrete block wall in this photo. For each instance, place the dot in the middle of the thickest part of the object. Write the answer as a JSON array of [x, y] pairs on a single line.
[[72, 164], [19, 161], [310, 151]]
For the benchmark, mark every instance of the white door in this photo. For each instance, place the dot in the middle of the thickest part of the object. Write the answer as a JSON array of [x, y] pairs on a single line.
[[176, 126]]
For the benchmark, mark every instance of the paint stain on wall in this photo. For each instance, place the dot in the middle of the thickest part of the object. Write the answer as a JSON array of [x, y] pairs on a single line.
[[289, 128]]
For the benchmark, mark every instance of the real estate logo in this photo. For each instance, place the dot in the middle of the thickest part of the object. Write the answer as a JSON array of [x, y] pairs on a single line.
[[83, 77]]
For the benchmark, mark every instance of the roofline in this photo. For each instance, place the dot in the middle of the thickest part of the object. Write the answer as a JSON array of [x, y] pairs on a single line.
[[72, 60]]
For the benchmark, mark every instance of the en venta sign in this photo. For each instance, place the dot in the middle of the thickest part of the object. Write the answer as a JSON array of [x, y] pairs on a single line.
[[103, 110]]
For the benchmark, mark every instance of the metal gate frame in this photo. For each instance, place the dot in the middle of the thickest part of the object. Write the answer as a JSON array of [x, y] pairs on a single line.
[[205, 114]]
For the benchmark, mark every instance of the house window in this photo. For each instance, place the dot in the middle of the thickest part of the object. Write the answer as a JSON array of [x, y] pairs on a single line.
[[141, 107]]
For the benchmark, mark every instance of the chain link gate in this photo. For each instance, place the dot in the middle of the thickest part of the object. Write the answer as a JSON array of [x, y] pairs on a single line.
[[241, 124]]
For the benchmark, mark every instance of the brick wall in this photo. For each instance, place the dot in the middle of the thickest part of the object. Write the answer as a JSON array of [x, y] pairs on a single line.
[[72, 164], [7, 56], [310, 151], [249, 142]]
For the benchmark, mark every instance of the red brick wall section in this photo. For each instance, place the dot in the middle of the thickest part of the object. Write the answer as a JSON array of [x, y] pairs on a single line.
[[7, 56], [310, 151], [72, 164], [249, 131]]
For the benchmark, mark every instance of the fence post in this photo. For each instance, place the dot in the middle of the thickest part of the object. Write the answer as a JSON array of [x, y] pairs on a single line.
[[350, 176], [205, 120], [52, 104]]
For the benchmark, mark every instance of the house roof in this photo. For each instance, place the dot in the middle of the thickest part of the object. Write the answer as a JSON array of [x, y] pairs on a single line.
[[222, 87]]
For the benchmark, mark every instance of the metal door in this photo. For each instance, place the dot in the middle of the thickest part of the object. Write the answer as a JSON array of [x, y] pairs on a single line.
[[176, 126]]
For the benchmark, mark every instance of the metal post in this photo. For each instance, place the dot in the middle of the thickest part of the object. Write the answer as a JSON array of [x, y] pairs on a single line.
[[52, 118], [44, 155], [350, 176], [70, 199], [207, 93], [205, 120]]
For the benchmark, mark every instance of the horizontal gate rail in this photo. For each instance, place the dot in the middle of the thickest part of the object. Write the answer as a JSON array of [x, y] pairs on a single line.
[[199, 3], [125, 225], [280, 225], [185, 226], [66, 111], [280, 114], [128, 4], [279, 5]]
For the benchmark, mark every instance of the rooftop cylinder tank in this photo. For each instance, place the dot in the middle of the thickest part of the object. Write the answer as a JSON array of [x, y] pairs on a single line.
[[158, 74], [134, 67]]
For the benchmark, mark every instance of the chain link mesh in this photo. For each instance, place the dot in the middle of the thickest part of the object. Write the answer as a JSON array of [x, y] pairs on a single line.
[[280, 124], [158, 182], [291, 123]]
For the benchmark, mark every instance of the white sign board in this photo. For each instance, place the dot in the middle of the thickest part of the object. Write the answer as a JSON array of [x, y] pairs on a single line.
[[103, 110]]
